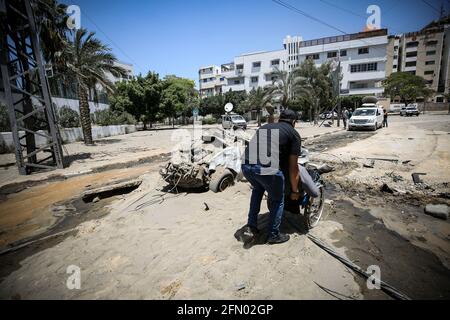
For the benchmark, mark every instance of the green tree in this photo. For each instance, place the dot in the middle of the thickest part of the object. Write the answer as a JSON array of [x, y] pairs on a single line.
[[237, 98], [84, 61], [176, 97], [259, 99], [212, 105], [408, 87], [315, 89]]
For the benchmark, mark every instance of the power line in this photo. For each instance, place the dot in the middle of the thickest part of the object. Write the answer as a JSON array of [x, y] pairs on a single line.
[[112, 42], [431, 6], [356, 14], [292, 8]]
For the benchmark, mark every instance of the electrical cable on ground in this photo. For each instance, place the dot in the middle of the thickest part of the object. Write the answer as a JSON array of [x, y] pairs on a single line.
[[388, 289]]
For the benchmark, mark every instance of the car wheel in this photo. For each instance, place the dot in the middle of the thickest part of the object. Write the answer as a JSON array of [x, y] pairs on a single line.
[[375, 127], [221, 179]]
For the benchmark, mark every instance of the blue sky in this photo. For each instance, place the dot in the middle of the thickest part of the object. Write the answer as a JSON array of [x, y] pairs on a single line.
[[179, 36]]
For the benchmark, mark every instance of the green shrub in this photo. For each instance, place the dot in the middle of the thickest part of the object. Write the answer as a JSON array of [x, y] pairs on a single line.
[[68, 118], [110, 118], [4, 119], [209, 121]]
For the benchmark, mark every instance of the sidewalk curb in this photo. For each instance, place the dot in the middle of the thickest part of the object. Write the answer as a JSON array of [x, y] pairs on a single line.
[[15, 187]]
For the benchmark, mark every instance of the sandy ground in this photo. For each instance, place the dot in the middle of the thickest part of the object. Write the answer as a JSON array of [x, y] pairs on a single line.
[[178, 250], [119, 151], [157, 246]]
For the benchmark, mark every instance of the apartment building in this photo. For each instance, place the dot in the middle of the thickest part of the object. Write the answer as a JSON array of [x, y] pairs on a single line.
[[362, 55], [211, 81], [424, 53], [252, 70]]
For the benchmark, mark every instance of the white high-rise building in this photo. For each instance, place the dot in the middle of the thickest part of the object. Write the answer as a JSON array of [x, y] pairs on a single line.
[[362, 56]]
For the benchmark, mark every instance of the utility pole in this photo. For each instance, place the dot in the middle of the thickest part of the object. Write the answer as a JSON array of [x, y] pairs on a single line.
[[27, 94], [338, 89]]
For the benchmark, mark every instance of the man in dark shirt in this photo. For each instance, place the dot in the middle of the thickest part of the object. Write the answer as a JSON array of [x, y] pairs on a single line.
[[385, 118], [271, 158]]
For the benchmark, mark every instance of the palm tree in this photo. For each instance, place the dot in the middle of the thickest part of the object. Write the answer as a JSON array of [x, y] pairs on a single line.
[[51, 21], [84, 62], [259, 99], [284, 86]]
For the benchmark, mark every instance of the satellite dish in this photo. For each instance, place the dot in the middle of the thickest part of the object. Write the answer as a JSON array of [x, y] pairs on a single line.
[[228, 107]]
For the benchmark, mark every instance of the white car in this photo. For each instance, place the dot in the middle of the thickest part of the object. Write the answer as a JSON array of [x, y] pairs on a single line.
[[366, 117], [233, 121]]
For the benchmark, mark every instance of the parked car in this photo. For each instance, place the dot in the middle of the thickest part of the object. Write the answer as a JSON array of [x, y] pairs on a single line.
[[328, 115], [410, 110], [233, 121], [366, 117]]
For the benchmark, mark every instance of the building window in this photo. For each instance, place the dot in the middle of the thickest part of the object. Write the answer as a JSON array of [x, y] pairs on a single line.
[[411, 64], [254, 79], [205, 80], [428, 72], [431, 53], [395, 48], [412, 44], [429, 81], [332, 54], [343, 53], [429, 63], [411, 54], [432, 43], [240, 67], [363, 50], [314, 56], [395, 57], [257, 64], [394, 66], [364, 67], [275, 63], [237, 82]]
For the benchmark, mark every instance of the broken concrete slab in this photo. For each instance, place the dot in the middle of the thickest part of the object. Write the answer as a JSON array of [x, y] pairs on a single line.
[[439, 211], [416, 177]]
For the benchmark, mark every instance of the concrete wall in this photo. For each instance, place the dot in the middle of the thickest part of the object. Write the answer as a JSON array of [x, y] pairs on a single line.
[[68, 135]]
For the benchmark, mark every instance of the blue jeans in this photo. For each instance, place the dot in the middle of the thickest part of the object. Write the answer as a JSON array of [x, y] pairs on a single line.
[[274, 185]]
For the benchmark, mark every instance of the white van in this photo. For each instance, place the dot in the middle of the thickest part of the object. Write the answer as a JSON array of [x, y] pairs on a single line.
[[233, 121], [369, 116]]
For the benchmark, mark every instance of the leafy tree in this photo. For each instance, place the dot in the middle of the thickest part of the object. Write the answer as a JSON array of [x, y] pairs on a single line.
[[84, 61], [315, 87], [176, 97], [408, 87], [108, 117], [237, 98], [212, 105]]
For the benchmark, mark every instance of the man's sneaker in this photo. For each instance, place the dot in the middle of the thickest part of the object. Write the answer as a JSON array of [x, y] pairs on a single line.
[[249, 235], [281, 238]]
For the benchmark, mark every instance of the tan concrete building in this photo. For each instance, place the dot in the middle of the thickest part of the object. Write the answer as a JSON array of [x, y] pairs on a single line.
[[424, 53]]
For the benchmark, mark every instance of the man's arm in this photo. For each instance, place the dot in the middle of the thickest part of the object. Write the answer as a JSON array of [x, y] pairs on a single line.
[[294, 177]]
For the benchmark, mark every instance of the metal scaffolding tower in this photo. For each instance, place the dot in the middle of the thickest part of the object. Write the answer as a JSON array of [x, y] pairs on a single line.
[[26, 89]]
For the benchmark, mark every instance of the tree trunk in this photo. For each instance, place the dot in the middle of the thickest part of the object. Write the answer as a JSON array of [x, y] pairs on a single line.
[[259, 117], [85, 116]]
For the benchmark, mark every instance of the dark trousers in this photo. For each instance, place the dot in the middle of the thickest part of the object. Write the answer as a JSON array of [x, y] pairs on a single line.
[[274, 185], [385, 123]]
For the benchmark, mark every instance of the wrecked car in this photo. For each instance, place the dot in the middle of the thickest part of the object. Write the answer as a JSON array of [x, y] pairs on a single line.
[[214, 162]]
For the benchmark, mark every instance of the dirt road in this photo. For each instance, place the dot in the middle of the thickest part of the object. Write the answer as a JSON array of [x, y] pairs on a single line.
[[153, 245]]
